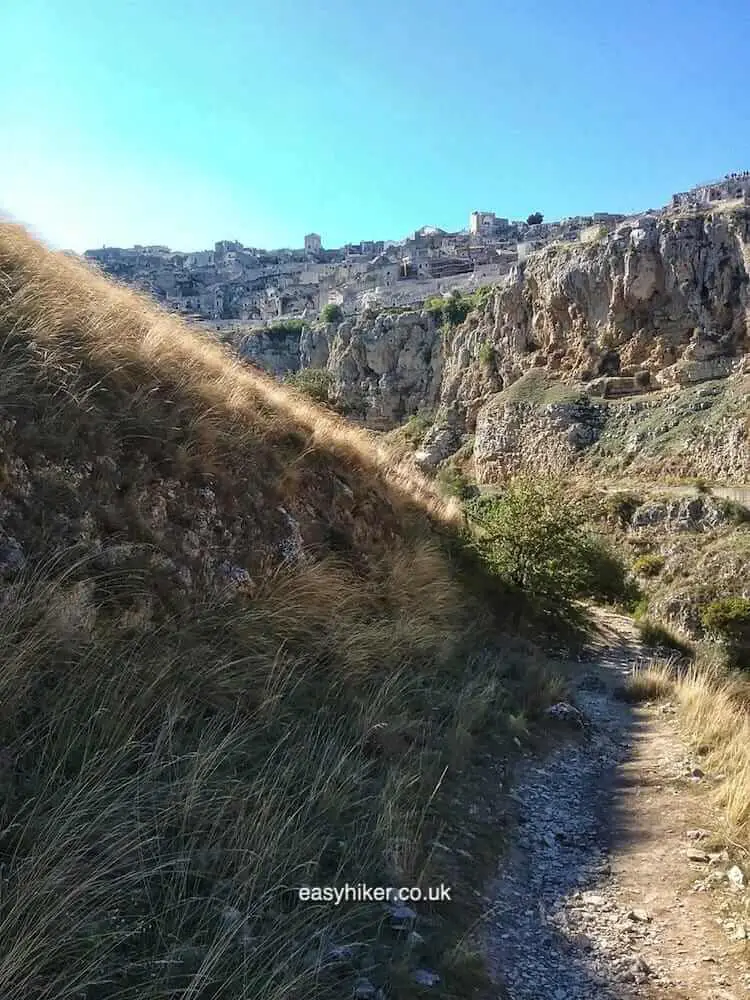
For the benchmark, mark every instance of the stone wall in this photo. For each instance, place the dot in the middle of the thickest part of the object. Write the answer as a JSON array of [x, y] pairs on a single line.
[[732, 187]]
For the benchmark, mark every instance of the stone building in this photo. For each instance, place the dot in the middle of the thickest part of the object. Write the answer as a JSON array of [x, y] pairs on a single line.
[[203, 258], [250, 284], [227, 246], [384, 271], [482, 223], [736, 185]]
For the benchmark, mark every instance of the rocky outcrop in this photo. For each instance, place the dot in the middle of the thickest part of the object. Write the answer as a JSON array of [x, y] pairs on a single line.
[[690, 513], [662, 302], [659, 305], [514, 435], [385, 368], [275, 349], [652, 296], [388, 368], [700, 430]]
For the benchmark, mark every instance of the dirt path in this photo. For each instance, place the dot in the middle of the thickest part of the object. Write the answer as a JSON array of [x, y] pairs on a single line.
[[600, 898]]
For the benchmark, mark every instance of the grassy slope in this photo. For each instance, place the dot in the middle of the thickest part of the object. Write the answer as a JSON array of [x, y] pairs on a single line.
[[177, 754], [656, 435], [538, 388], [714, 711]]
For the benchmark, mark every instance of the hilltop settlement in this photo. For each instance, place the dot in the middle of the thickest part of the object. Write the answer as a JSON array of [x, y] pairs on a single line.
[[234, 283]]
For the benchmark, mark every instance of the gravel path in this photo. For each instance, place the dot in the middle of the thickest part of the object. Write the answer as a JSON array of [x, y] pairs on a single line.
[[597, 898]]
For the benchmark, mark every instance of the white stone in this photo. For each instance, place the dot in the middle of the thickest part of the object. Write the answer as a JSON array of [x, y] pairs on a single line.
[[736, 877]]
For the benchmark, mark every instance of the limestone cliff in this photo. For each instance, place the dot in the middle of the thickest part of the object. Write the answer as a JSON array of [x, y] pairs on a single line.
[[385, 368], [650, 313], [594, 352], [668, 295]]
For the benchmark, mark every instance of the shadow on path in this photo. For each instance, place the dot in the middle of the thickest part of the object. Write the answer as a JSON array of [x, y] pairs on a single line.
[[570, 818]]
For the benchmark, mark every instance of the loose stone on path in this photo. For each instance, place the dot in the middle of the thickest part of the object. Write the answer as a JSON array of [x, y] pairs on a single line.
[[591, 902]]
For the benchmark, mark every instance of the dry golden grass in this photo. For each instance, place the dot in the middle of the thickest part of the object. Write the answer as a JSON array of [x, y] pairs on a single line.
[[171, 769], [649, 683], [715, 713], [80, 321]]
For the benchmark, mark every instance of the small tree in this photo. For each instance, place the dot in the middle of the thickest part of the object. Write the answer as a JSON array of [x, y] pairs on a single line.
[[535, 535], [451, 311], [332, 313], [535, 218], [415, 428], [486, 354], [456, 309], [649, 565], [728, 618]]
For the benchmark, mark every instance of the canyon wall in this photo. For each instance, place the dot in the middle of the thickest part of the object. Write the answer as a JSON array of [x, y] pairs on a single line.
[[622, 352]]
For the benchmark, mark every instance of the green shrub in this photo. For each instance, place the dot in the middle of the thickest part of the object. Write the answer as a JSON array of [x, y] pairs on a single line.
[[481, 296], [454, 482], [415, 429], [536, 536], [456, 309], [640, 609], [728, 618], [608, 578], [284, 328], [450, 311], [737, 513], [660, 637], [315, 382], [534, 219], [434, 307], [332, 313], [620, 507], [649, 565], [486, 354]]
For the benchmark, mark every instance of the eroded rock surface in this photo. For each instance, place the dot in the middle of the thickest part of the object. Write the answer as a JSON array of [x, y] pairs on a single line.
[[624, 329]]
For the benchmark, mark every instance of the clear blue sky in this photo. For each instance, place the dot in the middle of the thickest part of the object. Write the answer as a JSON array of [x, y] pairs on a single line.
[[184, 122]]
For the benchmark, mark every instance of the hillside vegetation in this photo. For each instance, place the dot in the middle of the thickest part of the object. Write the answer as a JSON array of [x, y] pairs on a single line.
[[238, 658]]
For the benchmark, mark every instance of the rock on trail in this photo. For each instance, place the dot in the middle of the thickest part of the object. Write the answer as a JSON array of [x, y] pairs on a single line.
[[597, 898]]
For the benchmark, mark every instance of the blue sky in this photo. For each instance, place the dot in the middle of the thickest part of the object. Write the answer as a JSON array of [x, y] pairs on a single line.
[[185, 122]]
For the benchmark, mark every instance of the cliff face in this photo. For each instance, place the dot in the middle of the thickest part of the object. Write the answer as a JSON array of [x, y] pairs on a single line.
[[669, 295], [384, 368], [275, 350], [593, 353], [606, 341]]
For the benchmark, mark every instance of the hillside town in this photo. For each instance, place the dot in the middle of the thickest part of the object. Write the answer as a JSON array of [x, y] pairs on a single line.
[[234, 283]]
